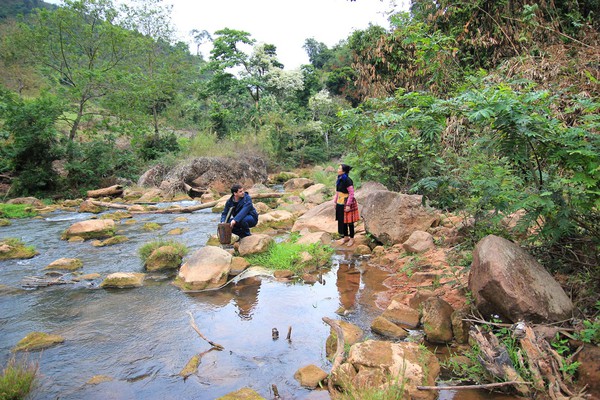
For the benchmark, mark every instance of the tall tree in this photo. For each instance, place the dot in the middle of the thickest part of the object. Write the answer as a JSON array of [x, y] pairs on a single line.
[[159, 66], [80, 47]]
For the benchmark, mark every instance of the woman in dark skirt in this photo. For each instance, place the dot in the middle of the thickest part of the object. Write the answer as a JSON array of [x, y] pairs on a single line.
[[346, 207]]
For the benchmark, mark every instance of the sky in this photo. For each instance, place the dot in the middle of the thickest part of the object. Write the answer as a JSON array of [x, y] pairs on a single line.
[[284, 23]]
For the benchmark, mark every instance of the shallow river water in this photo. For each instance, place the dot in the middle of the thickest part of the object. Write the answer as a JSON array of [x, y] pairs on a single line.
[[142, 338]]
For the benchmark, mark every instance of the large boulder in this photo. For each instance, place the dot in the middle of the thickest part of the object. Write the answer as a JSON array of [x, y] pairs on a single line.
[[392, 217], [506, 280], [437, 320], [318, 219], [213, 173], [207, 268], [316, 193], [295, 184]]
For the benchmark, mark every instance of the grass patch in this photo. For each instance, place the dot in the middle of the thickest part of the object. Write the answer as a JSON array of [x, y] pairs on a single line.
[[148, 248], [16, 211], [17, 379], [288, 256]]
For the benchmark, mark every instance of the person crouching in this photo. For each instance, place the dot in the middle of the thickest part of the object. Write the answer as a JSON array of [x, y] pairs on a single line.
[[243, 214]]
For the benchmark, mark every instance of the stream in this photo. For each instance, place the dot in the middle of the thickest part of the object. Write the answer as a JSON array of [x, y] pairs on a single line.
[[142, 338]]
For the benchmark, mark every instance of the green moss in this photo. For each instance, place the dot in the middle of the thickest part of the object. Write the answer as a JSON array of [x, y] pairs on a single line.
[[151, 226], [4, 222], [149, 248], [16, 211], [112, 241], [37, 341], [12, 248], [92, 235]]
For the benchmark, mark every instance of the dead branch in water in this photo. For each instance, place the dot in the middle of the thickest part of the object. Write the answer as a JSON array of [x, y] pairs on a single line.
[[176, 210], [470, 387], [339, 352], [193, 323], [289, 334]]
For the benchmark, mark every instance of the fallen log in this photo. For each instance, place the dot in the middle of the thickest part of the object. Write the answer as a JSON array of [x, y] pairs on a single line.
[[176, 210], [111, 191], [338, 357]]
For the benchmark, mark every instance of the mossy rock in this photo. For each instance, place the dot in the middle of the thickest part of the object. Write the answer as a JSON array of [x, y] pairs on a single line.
[[117, 216], [11, 248], [180, 219], [110, 241], [76, 239], [96, 379], [165, 257], [5, 222], [151, 226], [123, 280], [176, 231], [242, 394], [130, 222], [67, 264], [91, 229], [38, 341]]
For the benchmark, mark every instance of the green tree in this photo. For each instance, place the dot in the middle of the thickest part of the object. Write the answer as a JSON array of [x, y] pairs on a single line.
[[80, 48], [30, 141]]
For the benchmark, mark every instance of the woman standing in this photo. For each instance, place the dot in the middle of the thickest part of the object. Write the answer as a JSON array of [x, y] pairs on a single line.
[[346, 207]]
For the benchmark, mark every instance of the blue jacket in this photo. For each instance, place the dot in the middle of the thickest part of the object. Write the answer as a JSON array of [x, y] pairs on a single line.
[[241, 209]]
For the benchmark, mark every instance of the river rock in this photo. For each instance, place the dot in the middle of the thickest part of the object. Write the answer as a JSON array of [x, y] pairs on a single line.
[[68, 264], [123, 280], [254, 244], [38, 341], [310, 376], [238, 265], [91, 229], [207, 268], [164, 257], [506, 280], [418, 242], [314, 237], [401, 315], [277, 218], [87, 206], [460, 328], [387, 328], [384, 364], [589, 371], [320, 218], [437, 320], [392, 217], [242, 394], [31, 201], [316, 194], [296, 184], [352, 334]]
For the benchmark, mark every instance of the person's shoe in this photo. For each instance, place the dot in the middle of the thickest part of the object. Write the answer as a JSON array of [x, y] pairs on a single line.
[[350, 242], [342, 241]]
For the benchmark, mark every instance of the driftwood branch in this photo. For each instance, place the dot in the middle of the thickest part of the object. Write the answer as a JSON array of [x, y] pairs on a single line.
[[213, 344], [339, 352], [289, 334], [176, 210], [495, 359], [469, 387]]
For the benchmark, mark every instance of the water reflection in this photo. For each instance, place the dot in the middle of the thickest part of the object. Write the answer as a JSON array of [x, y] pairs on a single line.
[[348, 283]]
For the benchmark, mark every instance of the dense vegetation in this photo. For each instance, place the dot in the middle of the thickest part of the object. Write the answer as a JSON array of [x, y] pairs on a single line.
[[483, 106]]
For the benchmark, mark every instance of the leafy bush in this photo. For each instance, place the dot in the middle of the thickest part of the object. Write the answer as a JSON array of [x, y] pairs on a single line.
[[152, 146], [30, 142]]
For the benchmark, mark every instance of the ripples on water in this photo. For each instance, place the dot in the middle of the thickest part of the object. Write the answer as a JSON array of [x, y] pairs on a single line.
[[142, 337]]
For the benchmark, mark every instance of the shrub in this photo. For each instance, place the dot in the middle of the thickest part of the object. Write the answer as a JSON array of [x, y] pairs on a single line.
[[17, 379]]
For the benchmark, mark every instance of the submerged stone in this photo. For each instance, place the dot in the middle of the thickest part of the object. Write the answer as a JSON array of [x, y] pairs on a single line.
[[38, 341], [123, 280]]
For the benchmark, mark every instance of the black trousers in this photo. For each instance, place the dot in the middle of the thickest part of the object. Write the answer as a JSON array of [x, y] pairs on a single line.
[[343, 229]]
